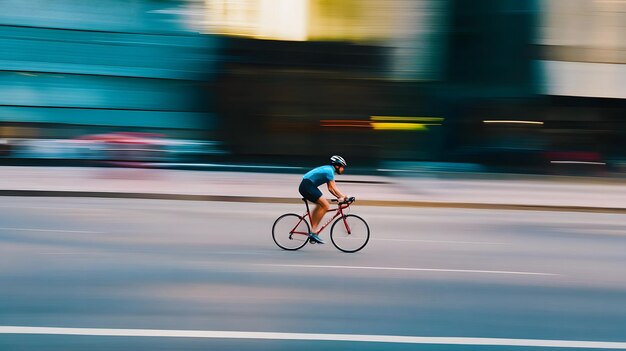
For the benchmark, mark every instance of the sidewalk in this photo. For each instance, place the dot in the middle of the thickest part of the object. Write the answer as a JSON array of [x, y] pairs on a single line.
[[428, 189]]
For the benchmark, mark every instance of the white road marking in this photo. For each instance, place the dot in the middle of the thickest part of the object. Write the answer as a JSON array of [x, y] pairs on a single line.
[[410, 269], [51, 230], [215, 334]]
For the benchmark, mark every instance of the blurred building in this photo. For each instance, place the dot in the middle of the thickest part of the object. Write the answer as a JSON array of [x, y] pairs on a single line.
[[491, 75], [569, 59], [75, 67], [506, 83], [305, 77], [583, 61]]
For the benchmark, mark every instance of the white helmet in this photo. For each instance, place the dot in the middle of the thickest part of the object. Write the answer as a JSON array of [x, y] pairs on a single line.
[[337, 160]]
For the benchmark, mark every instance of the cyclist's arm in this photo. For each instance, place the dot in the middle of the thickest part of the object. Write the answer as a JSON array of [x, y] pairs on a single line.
[[332, 187]]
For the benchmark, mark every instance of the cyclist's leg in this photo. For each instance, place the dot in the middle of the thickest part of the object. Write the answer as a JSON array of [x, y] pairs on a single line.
[[313, 194], [322, 206]]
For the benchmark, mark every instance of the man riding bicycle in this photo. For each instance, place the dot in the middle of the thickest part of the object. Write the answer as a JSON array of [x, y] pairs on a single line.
[[309, 190]]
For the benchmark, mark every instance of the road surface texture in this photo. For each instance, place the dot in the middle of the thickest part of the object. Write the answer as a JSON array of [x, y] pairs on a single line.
[[139, 274]]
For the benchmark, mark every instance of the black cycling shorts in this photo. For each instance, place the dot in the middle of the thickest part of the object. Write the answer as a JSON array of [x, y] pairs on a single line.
[[309, 191]]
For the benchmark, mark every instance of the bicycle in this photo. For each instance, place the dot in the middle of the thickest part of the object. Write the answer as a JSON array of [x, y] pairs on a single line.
[[349, 232]]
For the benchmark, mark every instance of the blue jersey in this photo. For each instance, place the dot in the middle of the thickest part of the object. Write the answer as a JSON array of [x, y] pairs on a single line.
[[320, 175]]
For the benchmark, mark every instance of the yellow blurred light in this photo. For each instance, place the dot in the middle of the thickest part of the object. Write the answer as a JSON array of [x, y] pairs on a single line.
[[404, 122], [398, 126], [513, 122]]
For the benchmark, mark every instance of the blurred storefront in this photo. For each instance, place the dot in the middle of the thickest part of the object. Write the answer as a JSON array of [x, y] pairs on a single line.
[[304, 78]]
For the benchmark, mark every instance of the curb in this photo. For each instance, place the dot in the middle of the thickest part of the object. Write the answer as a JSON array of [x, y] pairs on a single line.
[[291, 200]]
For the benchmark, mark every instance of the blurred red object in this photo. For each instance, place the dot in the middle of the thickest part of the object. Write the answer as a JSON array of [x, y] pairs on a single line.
[[127, 146], [124, 137]]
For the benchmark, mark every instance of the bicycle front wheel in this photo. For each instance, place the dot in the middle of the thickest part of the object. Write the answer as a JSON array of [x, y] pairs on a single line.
[[290, 232], [350, 233]]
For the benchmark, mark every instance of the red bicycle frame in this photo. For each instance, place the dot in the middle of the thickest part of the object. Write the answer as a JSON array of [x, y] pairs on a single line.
[[338, 212]]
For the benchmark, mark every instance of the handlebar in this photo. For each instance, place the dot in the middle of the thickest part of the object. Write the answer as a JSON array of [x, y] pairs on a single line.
[[350, 200]]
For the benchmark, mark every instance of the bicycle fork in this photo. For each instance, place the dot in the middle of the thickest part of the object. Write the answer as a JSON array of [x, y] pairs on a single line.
[[346, 223]]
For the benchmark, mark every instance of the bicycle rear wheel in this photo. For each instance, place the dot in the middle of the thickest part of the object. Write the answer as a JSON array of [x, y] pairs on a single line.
[[290, 232], [351, 235]]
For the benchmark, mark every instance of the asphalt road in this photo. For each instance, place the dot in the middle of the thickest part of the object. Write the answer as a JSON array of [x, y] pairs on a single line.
[[102, 274]]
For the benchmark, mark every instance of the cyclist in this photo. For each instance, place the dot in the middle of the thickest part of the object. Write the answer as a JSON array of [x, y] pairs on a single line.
[[309, 190]]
